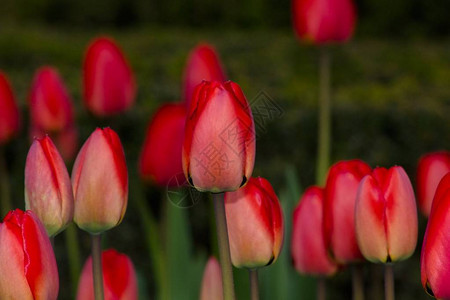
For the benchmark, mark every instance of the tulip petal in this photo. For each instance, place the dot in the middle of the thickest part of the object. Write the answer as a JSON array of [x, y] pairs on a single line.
[[212, 281]]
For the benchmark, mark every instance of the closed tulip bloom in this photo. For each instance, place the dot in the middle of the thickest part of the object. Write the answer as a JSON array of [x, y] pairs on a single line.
[[307, 245], [339, 210], [27, 261], [66, 141], [203, 64], [323, 21], [9, 113], [435, 256], [48, 190], [212, 281], [386, 216], [255, 224], [219, 141], [100, 182], [431, 168], [160, 160], [108, 82], [119, 278], [50, 104]]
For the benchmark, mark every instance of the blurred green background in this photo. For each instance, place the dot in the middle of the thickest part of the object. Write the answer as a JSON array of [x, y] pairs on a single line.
[[391, 102]]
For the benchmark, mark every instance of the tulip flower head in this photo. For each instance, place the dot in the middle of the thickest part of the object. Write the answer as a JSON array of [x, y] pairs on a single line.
[[386, 216], [255, 224], [27, 261], [48, 190], [100, 182], [435, 257], [119, 278], [339, 210], [203, 64], [212, 281], [307, 245], [108, 82], [9, 113], [323, 21], [160, 159], [431, 168], [219, 142]]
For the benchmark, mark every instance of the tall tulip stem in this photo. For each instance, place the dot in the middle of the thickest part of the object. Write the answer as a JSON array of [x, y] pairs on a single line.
[[357, 282], [323, 147], [73, 253], [254, 290], [321, 288], [224, 246], [97, 269], [5, 197], [389, 291]]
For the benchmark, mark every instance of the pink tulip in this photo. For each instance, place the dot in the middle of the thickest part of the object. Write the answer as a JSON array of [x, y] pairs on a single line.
[[339, 210], [386, 216], [100, 182], [212, 281], [307, 245], [203, 64], [119, 278], [48, 190], [160, 159], [9, 113], [219, 142], [66, 140], [431, 168], [255, 224], [108, 82], [27, 261]]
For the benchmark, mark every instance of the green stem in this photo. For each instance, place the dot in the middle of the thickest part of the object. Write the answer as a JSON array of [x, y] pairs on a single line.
[[97, 270], [324, 140], [5, 196], [73, 254], [224, 246], [357, 282], [212, 228], [389, 291], [321, 288], [254, 290]]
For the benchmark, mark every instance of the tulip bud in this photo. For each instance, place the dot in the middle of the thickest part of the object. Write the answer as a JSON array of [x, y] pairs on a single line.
[[219, 140], [27, 261], [307, 245], [386, 216], [119, 278], [108, 82], [203, 64], [48, 190], [431, 168], [50, 104], [255, 224], [339, 210], [323, 21], [100, 182], [160, 159], [435, 256], [66, 141], [212, 281], [9, 113]]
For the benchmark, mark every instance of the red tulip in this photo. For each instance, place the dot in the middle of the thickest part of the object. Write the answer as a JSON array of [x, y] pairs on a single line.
[[108, 81], [323, 21], [27, 261], [212, 281], [50, 104], [219, 141], [307, 245], [100, 182], [339, 209], [160, 159], [203, 64], [255, 224], [435, 257], [431, 168], [48, 190], [119, 278], [9, 113], [386, 216]]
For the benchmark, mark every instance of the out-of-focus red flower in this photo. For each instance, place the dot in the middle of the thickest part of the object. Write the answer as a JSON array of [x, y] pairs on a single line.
[[9, 113], [212, 281], [219, 141], [119, 278], [27, 261], [307, 244], [108, 82]]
